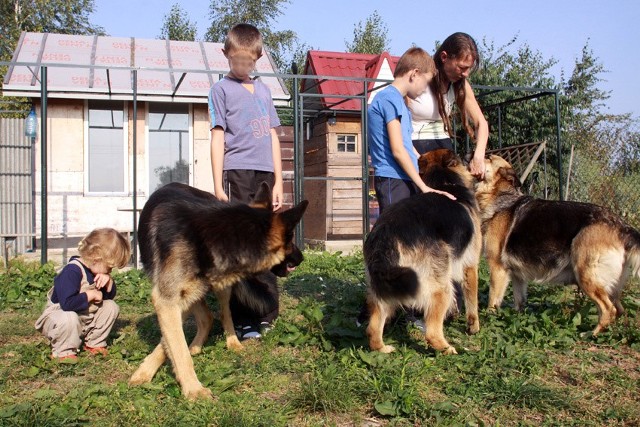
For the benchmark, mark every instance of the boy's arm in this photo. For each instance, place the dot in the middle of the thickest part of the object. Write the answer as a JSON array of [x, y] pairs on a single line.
[[67, 286], [278, 191], [217, 162], [401, 156]]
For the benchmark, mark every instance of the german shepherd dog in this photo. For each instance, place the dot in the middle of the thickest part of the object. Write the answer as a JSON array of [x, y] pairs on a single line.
[[191, 243], [419, 247], [546, 241]]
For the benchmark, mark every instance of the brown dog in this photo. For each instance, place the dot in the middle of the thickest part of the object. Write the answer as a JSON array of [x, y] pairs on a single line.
[[191, 243], [528, 239]]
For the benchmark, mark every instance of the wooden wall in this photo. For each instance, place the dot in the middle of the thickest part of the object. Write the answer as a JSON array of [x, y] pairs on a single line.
[[335, 211]]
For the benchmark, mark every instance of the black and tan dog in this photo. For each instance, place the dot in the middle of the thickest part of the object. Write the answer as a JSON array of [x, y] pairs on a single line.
[[419, 247], [534, 240], [189, 244]]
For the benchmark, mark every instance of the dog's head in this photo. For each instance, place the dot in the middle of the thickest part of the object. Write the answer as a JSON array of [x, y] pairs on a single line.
[[499, 176], [293, 259], [280, 239], [437, 160]]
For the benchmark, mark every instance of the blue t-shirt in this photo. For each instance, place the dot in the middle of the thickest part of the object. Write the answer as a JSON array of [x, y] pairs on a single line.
[[388, 105], [247, 119]]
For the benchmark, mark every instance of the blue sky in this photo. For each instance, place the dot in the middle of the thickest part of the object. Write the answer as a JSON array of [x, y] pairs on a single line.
[[557, 29]]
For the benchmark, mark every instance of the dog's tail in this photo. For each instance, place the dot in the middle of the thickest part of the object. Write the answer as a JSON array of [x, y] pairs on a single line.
[[393, 281], [632, 249]]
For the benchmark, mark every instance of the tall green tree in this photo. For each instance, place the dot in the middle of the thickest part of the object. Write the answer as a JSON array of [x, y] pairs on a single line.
[[262, 14], [370, 36], [44, 16], [47, 16], [178, 26]]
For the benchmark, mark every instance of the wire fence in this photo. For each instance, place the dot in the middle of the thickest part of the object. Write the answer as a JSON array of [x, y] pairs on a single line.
[[594, 180]]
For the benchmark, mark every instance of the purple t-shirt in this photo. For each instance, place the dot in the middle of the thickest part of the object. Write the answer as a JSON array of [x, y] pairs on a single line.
[[247, 119]]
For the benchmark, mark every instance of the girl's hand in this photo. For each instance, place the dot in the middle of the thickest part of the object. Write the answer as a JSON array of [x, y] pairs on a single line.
[[103, 281], [477, 167]]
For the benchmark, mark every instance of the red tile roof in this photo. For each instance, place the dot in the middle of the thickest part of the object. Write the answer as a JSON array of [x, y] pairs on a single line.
[[343, 64]]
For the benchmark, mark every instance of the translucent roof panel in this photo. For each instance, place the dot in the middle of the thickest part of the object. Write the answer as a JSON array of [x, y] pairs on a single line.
[[96, 67]]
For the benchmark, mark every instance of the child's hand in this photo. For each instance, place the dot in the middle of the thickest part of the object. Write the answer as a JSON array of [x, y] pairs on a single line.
[[278, 195], [94, 295], [433, 190], [103, 281], [220, 195]]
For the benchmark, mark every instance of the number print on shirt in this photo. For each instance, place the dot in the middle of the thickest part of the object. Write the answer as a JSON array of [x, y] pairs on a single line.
[[260, 127]]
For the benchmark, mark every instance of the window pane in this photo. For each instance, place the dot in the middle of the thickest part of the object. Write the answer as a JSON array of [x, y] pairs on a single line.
[[351, 148], [168, 144], [106, 147]]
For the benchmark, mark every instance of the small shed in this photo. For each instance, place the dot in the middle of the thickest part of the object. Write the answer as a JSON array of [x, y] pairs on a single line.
[[333, 157]]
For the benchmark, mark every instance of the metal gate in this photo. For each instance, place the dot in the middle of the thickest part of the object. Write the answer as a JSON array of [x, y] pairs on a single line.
[[16, 187]]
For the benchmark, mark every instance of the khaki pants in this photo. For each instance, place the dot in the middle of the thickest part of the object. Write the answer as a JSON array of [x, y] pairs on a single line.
[[66, 329]]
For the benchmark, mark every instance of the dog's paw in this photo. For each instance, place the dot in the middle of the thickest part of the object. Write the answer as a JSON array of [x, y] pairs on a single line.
[[141, 376], [473, 328], [449, 350], [195, 349], [233, 343], [387, 349], [197, 392]]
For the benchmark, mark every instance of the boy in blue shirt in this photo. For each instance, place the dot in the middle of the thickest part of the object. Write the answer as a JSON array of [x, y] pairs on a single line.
[[394, 160], [393, 157]]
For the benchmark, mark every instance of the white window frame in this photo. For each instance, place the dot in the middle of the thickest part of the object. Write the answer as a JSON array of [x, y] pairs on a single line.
[[125, 149], [148, 145], [347, 143]]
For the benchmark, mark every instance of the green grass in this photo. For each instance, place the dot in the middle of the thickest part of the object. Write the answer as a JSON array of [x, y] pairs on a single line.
[[538, 367]]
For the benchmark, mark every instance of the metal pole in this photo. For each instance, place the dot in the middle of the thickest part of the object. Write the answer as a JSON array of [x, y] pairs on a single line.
[[499, 127], [366, 223], [558, 146], [297, 146], [134, 84], [43, 165]]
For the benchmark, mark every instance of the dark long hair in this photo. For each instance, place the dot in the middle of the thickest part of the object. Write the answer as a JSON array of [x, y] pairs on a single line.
[[457, 45]]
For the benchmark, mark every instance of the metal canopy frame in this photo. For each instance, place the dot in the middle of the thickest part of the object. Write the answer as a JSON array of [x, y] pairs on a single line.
[[301, 113]]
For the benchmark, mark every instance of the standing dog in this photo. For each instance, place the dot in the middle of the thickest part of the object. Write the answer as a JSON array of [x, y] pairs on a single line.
[[528, 239], [255, 292], [191, 243], [419, 247]]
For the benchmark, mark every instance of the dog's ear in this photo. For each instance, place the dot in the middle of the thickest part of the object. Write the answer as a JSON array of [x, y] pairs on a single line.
[[423, 163], [509, 175], [293, 216], [262, 199], [450, 159]]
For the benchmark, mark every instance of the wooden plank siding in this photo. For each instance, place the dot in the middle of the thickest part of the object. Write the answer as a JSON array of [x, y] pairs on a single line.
[[336, 209]]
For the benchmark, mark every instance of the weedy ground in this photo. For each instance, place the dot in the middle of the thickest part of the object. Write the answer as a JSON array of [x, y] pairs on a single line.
[[540, 367]]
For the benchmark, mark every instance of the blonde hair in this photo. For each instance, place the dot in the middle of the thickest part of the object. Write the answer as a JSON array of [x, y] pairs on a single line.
[[244, 37], [105, 244], [415, 58]]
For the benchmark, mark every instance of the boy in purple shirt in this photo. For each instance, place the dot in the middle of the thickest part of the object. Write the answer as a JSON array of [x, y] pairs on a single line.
[[80, 304], [245, 149]]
